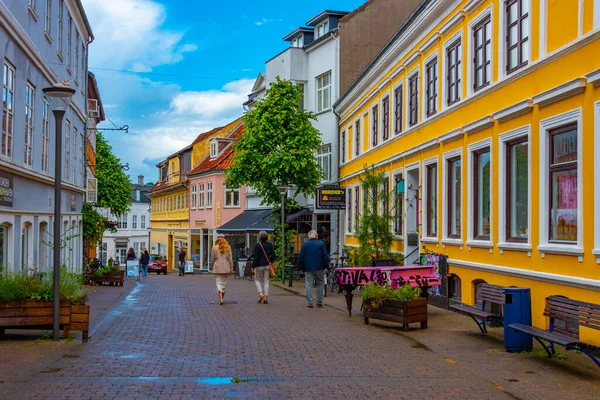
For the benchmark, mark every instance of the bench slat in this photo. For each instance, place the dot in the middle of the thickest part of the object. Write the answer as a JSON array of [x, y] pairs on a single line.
[[559, 299], [574, 317], [551, 304], [473, 311], [545, 335]]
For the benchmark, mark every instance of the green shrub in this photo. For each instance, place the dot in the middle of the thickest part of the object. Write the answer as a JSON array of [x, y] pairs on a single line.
[[376, 294], [22, 286]]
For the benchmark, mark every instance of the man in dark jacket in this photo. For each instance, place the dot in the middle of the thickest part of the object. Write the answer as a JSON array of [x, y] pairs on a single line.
[[313, 260], [181, 257]]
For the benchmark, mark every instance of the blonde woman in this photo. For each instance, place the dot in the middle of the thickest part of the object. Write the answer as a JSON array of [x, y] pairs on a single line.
[[222, 263]]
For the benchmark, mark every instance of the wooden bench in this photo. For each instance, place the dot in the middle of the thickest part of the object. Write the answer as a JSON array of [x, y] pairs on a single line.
[[572, 312], [487, 294]]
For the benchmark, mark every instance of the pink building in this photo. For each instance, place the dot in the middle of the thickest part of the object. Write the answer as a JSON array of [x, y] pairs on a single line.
[[212, 204]]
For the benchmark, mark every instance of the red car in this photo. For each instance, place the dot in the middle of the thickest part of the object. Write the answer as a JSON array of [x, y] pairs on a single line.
[[157, 264]]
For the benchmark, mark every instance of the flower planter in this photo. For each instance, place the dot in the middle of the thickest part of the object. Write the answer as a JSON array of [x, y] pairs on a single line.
[[111, 278], [33, 314], [403, 312]]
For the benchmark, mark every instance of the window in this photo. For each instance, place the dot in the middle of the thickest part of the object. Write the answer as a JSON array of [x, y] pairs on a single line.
[[29, 113], [375, 125], [453, 61], [482, 53], [47, 20], [432, 200], [454, 197], [431, 75], [343, 147], [122, 221], [398, 204], [413, 101], [45, 133], [356, 206], [517, 195], [324, 159], [481, 194], [209, 194], [214, 149], [75, 155], [563, 184], [384, 198], [324, 92], [67, 150], [8, 93], [178, 202], [134, 221], [398, 109], [517, 34], [77, 40], [83, 74], [232, 197], [301, 89], [69, 38], [385, 104], [295, 42], [357, 137], [201, 195], [60, 25], [82, 154], [322, 29], [194, 194], [349, 210]]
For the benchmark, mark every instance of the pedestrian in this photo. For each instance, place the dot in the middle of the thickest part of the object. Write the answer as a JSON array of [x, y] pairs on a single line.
[[181, 258], [264, 253], [144, 261], [131, 255], [313, 260], [222, 263]]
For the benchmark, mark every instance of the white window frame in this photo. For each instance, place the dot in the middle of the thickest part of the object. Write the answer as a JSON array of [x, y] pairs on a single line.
[[386, 176], [425, 196], [545, 246], [200, 195], [59, 28], [323, 158], [75, 134], [423, 88], [214, 149], [445, 157], [29, 124], [502, 50], [349, 210], [596, 15], [134, 221], [376, 103], [503, 140], [470, 67], [393, 125], [471, 241], [320, 92], [410, 74], [82, 164], [209, 194], [231, 191], [77, 40], [194, 197], [67, 154], [394, 174], [45, 134], [343, 146], [596, 250], [143, 222], [390, 98], [360, 138], [9, 88], [48, 17], [69, 40], [444, 92]]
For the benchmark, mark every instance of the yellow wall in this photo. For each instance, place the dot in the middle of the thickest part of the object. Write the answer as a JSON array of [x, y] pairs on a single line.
[[173, 170], [201, 149], [541, 75]]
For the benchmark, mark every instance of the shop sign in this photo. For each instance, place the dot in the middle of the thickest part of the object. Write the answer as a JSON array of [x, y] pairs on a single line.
[[331, 198], [6, 189], [200, 223], [218, 213]]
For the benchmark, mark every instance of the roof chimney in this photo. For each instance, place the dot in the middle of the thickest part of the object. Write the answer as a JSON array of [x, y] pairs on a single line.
[[141, 180]]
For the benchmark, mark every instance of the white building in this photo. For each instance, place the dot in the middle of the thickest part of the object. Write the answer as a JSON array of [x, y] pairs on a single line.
[[312, 60], [133, 228], [41, 43]]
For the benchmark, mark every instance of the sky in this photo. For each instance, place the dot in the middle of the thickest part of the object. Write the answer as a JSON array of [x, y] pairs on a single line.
[[172, 69]]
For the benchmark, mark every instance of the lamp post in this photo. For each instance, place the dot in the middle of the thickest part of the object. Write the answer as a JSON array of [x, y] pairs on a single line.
[[59, 95], [283, 191]]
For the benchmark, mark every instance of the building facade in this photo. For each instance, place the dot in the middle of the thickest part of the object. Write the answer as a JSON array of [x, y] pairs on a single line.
[[484, 115], [41, 43], [133, 228]]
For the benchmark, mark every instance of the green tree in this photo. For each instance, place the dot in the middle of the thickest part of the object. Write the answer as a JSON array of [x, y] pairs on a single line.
[[114, 187], [374, 224]]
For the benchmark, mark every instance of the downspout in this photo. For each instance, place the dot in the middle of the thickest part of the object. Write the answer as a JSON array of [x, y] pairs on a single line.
[[337, 136]]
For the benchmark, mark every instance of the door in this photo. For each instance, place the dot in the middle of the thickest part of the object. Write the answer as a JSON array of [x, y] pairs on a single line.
[[170, 253], [412, 224]]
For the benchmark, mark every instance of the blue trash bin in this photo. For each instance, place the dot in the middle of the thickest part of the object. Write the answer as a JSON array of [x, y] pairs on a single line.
[[517, 310]]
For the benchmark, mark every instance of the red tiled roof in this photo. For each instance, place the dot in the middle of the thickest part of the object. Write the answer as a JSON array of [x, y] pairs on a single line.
[[223, 161], [159, 186], [204, 135]]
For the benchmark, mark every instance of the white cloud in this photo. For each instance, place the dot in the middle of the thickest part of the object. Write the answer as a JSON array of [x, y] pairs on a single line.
[[139, 67], [268, 21]]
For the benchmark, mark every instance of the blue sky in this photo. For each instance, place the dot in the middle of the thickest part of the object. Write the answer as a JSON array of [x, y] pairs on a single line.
[[172, 69]]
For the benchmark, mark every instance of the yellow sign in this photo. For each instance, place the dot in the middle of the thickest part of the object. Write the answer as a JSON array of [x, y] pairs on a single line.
[[200, 223], [218, 213]]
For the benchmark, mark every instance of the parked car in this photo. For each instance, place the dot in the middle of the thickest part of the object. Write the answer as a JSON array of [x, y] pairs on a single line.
[[157, 264]]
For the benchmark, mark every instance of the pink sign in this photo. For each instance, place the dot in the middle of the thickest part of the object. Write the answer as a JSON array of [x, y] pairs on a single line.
[[414, 275], [567, 189]]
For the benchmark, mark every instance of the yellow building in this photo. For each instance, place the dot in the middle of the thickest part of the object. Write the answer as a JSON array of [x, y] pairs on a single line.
[[485, 117], [170, 213]]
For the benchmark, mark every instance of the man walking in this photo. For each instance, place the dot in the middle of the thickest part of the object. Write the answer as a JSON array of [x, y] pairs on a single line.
[[313, 260], [182, 255]]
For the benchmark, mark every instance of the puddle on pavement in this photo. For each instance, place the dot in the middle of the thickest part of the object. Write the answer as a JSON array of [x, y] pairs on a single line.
[[133, 356], [50, 370]]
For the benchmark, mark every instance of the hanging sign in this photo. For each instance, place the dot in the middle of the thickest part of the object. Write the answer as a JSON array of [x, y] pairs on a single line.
[[331, 198], [6, 189]]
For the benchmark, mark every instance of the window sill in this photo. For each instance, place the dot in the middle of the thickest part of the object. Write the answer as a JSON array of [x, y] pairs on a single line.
[[231, 206], [323, 111], [480, 243], [514, 246], [596, 252], [429, 240], [452, 242], [564, 249], [33, 14], [48, 38], [398, 237]]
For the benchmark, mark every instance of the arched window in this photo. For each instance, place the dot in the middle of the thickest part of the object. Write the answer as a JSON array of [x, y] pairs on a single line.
[[454, 288]]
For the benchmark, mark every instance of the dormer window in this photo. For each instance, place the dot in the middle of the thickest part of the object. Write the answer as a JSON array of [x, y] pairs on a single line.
[[321, 29], [298, 41], [214, 149]]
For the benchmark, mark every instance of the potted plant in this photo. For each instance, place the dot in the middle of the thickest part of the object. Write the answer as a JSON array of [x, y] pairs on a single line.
[[26, 302], [403, 305], [110, 274]]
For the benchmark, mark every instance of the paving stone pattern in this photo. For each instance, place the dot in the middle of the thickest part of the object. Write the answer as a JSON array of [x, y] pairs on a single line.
[[169, 339]]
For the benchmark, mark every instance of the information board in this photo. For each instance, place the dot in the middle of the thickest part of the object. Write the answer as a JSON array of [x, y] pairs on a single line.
[[189, 267], [133, 268], [331, 198]]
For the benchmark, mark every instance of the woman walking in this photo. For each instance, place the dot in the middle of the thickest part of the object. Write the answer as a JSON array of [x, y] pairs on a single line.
[[264, 253], [144, 261], [222, 262]]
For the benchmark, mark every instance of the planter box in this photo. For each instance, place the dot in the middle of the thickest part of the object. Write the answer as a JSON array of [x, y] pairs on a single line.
[[403, 312], [32, 314], [112, 278]]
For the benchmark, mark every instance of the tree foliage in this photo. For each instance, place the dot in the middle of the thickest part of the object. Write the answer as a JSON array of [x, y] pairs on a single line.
[[114, 187], [278, 146], [374, 224]]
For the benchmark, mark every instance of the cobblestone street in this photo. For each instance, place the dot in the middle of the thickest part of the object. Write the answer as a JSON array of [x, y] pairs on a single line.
[[168, 338]]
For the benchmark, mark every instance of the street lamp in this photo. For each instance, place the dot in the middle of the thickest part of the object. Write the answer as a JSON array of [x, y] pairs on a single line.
[[283, 189], [59, 95]]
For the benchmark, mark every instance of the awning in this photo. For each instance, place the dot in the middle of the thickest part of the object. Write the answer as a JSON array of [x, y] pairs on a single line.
[[296, 214], [247, 221]]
